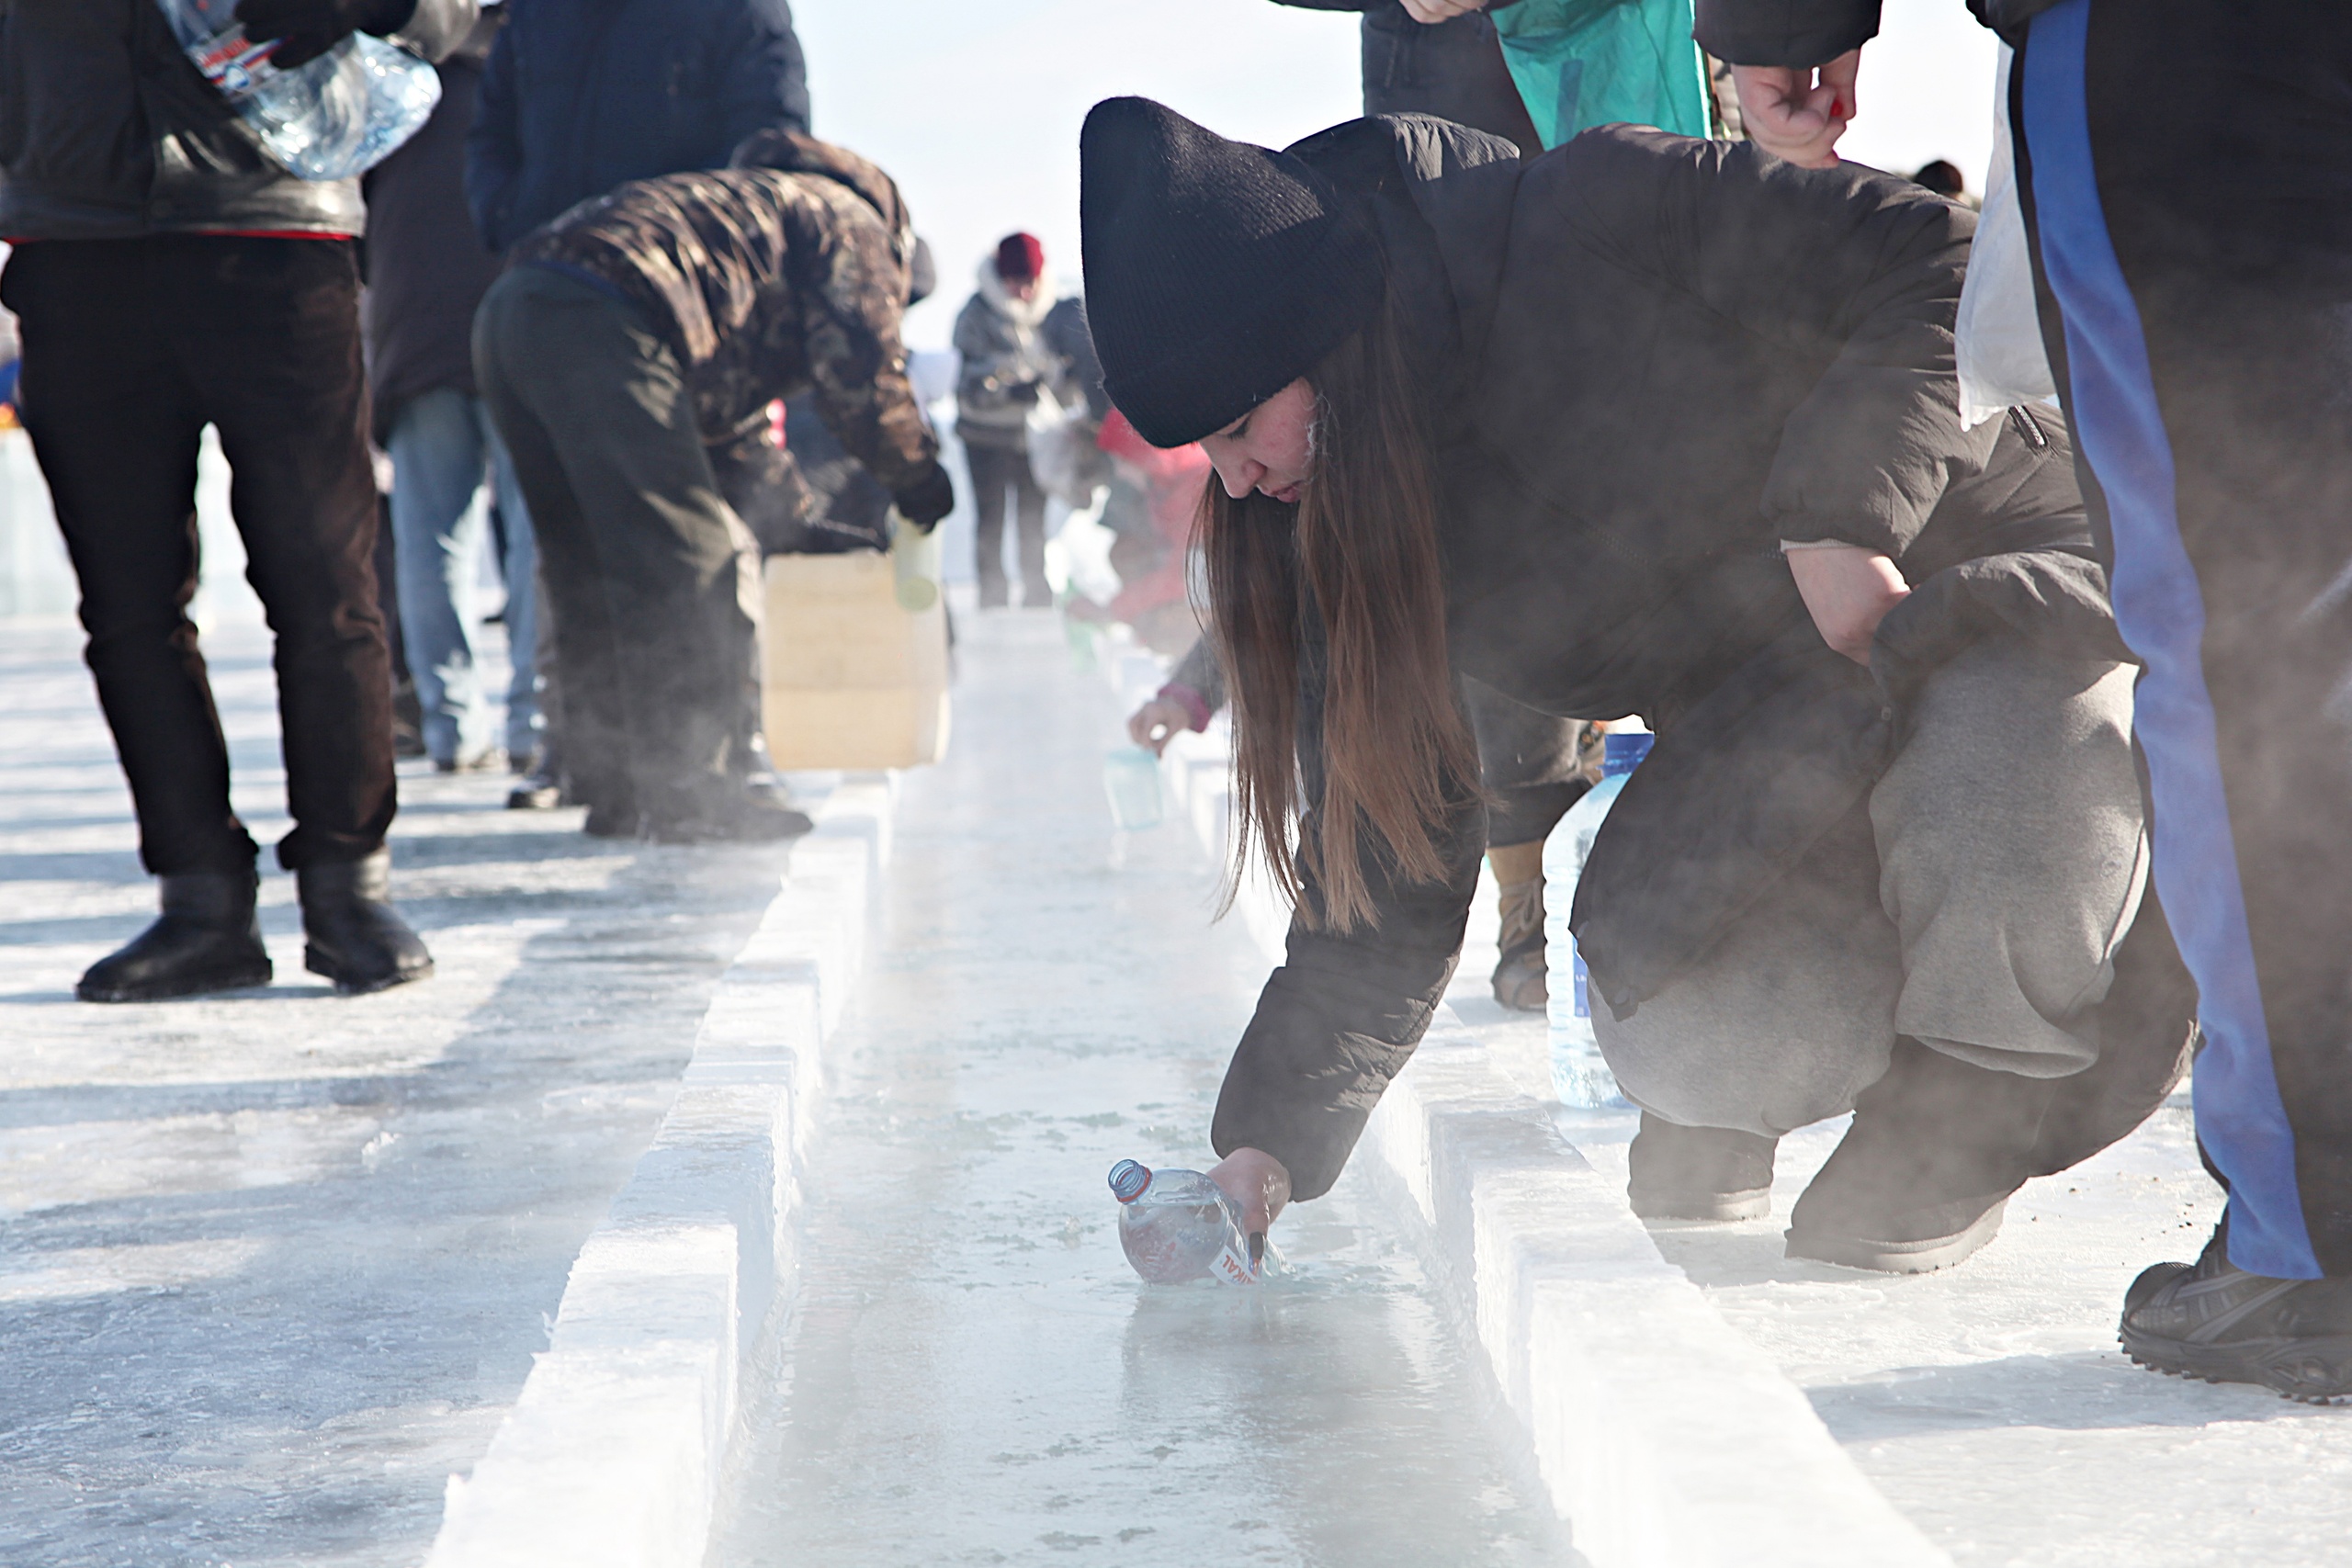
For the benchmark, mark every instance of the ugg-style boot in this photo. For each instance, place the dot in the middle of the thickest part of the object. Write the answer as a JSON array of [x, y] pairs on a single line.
[[1922, 1177], [1699, 1173], [206, 940], [351, 932], [1520, 979]]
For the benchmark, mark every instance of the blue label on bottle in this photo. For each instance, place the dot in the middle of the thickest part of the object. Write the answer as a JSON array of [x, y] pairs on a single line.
[[1584, 1006], [1620, 754]]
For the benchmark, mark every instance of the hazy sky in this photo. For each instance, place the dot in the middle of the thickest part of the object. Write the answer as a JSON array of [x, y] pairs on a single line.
[[975, 107]]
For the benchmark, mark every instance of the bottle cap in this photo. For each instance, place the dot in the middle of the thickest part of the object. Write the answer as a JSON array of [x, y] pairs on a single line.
[[1620, 753], [1128, 1180]]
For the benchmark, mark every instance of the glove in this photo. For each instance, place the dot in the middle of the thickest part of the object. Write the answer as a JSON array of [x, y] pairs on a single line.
[[928, 500], [307, 28]]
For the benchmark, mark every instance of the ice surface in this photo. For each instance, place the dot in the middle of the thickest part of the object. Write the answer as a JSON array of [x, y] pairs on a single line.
[[970, 1372], [273, 1264]]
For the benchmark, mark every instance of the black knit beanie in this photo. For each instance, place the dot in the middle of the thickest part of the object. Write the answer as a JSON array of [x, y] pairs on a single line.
[[1217, 273]]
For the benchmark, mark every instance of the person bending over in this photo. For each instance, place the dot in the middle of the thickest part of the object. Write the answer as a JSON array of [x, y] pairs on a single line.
[[629, 333], [1659, 426]]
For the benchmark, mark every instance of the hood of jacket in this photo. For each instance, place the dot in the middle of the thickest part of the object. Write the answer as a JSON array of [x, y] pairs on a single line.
[[1028, 314]]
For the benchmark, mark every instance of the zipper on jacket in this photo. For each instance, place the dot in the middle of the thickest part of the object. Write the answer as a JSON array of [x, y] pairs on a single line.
[[2028, 428]]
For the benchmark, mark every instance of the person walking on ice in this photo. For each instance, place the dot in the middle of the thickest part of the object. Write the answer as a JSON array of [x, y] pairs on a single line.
[[1660, 427]]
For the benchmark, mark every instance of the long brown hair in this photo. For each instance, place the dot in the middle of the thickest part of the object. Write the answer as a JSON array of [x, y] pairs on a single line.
[[1359, 552]]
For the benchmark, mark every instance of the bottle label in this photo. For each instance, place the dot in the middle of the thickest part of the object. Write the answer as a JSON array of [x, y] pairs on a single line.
[[1584, 1003], [232, 62], [1230, 1267]]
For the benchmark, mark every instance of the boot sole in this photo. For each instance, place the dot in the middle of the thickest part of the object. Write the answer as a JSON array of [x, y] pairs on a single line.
[[245, 979], [1709, 1206], [2315, 1372], [1898, 1257], [348, 984]]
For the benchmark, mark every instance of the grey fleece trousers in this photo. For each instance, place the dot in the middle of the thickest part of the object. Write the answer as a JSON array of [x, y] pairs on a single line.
[[1976, 908]]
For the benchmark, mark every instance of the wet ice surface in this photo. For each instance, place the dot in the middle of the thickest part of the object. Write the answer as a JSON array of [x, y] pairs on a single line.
[[273, 1264], [970, 1372]]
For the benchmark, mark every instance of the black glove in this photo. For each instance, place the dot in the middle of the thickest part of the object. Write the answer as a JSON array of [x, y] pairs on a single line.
[[928, 500], [307, 28]]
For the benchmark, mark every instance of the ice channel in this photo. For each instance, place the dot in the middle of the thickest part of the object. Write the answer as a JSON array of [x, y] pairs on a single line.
[[969, 1373]]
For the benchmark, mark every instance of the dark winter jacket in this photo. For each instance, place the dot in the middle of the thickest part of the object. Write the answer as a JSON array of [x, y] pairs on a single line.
[[1650, 359], [426, 267], [582, 95], [1807, 32], [767, 280], [1452, 69], [1004, 363], [108, 131]]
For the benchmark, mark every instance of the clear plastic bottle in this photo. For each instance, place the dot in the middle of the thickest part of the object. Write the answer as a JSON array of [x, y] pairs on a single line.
[[1177, 1225], [1578, 1074], [1131, 779], [330, 118]]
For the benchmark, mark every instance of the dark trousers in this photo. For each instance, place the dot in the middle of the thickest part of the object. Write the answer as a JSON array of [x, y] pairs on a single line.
[[640, 552], [130, 349], [999, 472], [2188, 173], [1527, 761]]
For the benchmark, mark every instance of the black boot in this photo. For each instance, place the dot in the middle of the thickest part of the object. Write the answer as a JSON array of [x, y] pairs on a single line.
[[1699, 1173], [2212, 1320], [351, 932], [1921, 1178], [207, 939]]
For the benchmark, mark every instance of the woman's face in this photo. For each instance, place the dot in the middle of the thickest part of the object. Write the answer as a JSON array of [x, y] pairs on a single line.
[[1267, 449]]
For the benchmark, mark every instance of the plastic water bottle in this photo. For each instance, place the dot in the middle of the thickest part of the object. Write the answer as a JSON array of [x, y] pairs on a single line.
[[1177, 1225], [330, 118], [1131, 778], [1578, 1074]]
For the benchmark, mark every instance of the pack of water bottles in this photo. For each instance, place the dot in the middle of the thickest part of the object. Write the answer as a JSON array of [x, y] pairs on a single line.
[[330, 118]]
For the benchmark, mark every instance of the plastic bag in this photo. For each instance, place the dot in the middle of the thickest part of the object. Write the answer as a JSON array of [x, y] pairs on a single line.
[[1063, 457], [332, 119], [1578, 63], [2002, 360]]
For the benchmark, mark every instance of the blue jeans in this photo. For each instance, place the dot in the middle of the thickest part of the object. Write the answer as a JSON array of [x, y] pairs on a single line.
[[442, 447]]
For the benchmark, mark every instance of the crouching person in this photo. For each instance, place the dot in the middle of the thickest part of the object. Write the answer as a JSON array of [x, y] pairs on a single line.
[[1667, 427], [629, 337]]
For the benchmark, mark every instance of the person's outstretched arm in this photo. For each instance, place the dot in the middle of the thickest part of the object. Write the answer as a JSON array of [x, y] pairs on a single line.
[[1342, 1015], [851, 294]]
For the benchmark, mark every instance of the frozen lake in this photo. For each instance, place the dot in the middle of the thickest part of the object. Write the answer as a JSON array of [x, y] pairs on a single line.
[[970, 1374]]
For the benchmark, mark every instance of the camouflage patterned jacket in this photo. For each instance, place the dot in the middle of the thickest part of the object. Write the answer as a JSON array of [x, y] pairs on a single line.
[[785, 273]]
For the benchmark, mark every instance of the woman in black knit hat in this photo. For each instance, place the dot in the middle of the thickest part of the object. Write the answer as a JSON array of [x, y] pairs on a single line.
[[1657, 426]]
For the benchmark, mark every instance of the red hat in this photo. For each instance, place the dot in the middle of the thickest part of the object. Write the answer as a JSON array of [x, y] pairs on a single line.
[[1019, 256]]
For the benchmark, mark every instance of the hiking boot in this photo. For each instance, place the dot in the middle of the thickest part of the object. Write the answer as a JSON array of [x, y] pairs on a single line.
[[1521, 981], [2211, 1319], [208, 939], [734, 816], [1922, 1176], [1699, 1173], [351, 932]]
